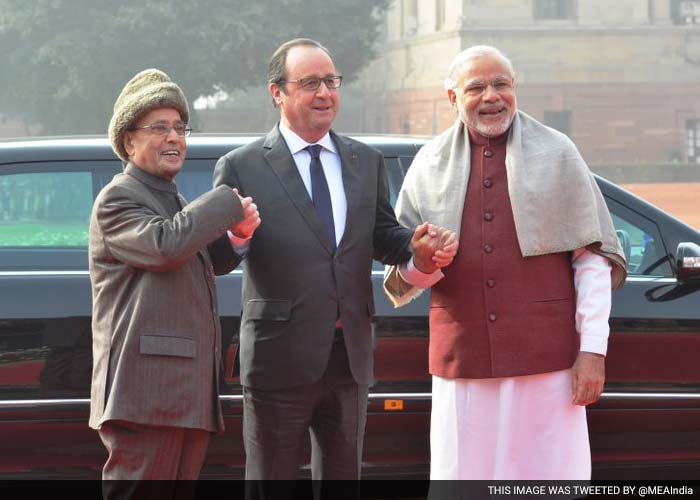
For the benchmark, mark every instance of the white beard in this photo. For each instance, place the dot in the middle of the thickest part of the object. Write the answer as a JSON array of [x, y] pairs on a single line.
[[492, 130]]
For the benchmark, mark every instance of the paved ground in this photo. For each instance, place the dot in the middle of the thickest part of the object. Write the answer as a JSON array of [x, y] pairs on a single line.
[[680, 200]]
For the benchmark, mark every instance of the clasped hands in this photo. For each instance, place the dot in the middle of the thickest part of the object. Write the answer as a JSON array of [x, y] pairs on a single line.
[[251, 218], [433, 247]]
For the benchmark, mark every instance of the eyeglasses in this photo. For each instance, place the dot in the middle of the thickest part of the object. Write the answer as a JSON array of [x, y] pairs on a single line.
[[163, 129], [478, 88], [313, 83]]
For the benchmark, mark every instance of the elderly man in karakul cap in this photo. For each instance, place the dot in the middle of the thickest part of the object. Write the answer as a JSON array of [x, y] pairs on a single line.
[[153, 257]]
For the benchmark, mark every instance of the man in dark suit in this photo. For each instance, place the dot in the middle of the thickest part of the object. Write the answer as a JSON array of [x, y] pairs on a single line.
[[306, 346], [156, 332]]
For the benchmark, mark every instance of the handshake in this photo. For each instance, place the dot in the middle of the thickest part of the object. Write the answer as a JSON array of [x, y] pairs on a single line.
[[433, 247]]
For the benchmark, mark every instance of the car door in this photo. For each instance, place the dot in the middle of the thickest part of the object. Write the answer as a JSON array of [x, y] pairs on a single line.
[[648, 420], [45, 334]]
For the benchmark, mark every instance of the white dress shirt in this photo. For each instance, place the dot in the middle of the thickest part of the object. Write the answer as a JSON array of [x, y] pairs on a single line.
[[330, 160]]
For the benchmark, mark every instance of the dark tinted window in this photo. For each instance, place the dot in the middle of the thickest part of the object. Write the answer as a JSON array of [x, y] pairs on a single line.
[[641, 242], [195, 179], [395, 175]]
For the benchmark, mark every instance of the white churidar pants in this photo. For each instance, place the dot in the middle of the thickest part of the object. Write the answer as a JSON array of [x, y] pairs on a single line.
[[513, 428]]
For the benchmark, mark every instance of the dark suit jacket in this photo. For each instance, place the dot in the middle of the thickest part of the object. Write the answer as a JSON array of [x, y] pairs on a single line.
[[294, 285], [155, 324]]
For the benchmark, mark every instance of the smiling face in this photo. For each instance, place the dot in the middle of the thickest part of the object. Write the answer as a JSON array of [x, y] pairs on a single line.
[[309, 113], [485, 96], [159, 155]]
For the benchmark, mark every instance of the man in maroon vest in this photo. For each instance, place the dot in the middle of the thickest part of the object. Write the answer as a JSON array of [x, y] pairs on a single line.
[[519, 320]]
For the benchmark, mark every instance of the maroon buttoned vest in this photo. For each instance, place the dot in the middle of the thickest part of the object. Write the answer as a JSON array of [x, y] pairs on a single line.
[[496, 313]]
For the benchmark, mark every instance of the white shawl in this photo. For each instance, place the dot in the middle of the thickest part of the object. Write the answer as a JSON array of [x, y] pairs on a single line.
[[557, 205]]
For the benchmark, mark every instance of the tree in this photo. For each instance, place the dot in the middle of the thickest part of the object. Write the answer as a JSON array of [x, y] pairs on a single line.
[[65, 61]]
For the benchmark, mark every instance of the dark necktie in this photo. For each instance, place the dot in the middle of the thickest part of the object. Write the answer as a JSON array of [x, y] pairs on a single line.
[[320, 194]]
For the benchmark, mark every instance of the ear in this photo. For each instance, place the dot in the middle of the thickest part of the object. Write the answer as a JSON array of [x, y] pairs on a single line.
[[129, 144], [276, 93], [452, 96]]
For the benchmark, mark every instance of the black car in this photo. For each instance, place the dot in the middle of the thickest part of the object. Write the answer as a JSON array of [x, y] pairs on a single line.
[[647, 423]]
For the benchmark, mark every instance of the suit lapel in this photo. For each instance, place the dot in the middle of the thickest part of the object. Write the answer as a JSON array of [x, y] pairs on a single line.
[[280, 160], [352, 181]]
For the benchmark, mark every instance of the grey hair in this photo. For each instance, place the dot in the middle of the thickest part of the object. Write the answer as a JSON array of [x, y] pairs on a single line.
[[467, 56]]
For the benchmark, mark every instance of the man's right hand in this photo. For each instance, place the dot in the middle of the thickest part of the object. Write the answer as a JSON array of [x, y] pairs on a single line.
[[251, 219], [433, 247]]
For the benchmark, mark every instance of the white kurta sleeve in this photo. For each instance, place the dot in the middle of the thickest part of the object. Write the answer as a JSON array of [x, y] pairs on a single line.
[[592, 281]]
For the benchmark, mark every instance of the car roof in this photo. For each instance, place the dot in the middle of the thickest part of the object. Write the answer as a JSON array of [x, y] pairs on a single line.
[[76, 148]]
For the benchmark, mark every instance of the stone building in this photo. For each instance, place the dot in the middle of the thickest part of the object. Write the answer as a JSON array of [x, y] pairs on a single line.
[[621, 78]]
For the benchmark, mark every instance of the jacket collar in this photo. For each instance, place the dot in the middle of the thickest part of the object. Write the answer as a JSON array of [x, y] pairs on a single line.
[[149, 179]]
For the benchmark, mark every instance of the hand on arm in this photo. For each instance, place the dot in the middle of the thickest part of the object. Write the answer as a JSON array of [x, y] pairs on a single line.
[[433, 247], [588, 378]]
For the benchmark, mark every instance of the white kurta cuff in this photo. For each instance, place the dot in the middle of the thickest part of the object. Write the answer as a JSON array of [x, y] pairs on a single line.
[[414, 276]]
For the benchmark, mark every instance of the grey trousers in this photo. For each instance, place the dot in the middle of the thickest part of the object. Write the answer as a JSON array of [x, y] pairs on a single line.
[[333, 411]]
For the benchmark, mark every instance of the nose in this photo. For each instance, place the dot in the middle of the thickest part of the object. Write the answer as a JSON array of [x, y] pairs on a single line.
[[490, 94], [172, 136], [323, 89]]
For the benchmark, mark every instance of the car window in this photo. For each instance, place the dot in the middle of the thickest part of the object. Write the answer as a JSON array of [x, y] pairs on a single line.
[[195, 179], [395, 176], [46, 206], [641, 242], [45, 209]]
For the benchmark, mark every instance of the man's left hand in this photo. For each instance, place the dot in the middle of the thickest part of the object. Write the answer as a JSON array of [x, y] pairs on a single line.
[[251, 218], [588, 378]]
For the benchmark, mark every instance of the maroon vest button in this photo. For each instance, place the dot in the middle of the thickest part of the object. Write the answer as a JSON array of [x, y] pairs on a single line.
[[488, 248], [491, 283], [488, 216], [488, 183], [488, 153], [492, 317]]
